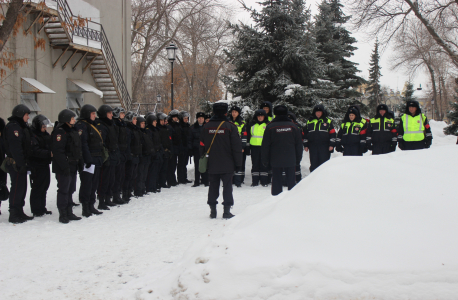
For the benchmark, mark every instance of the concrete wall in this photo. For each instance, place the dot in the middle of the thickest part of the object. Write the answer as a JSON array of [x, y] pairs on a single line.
[[115, 17]]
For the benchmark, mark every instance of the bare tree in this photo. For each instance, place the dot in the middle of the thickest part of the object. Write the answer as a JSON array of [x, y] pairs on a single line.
[[386, 18]]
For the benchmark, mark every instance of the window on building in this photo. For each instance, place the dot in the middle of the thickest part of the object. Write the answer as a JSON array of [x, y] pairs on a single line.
[[75, 101], [30, 100]]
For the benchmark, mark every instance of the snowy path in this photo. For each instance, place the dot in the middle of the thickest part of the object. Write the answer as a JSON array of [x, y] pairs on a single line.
[[94, 258]]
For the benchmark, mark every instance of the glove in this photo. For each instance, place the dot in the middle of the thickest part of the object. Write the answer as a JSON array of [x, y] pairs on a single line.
[[428, 143]]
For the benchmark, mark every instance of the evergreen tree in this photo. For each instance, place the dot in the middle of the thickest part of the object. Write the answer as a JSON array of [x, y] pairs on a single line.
[[374, 80], [452, 115], [276, 59], [335, 47], [407, 95]]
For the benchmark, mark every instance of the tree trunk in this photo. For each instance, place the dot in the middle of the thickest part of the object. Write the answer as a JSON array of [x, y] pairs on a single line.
[[10, 19], [433, 83]]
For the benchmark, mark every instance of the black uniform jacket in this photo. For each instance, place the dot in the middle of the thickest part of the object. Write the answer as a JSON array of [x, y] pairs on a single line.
[[17, 138], [40, 154], [91, 142], [194, 136], [323, 133], [66, 149]]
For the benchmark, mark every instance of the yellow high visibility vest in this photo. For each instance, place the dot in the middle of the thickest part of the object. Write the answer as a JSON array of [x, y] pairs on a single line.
[[239, 126], [257, 133], [414, 127]]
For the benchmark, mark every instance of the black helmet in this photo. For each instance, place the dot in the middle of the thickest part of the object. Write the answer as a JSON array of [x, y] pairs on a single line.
[[184, 114], [117, 111], [174, 113], [140, 119], [20, 110], [86, 111], [65, 116], [161, 116], [130, 115], [149, 113], [150, 118], [103, 110], [38, 121]]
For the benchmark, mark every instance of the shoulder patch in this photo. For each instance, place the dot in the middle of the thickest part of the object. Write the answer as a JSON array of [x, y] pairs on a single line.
[[58, 137], [80, 132], [16, 133]]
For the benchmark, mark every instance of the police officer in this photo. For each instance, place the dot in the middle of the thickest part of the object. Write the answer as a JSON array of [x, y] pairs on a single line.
[[166, 143], [156, 157], [225, 155], [381, 132], [175, 129], [267, 107], [298, 173], [67, 159], [183, 158], [282, 149], [259, 172], [145, 158], [194, 144], [93, 157], [17, 138], [414, 132], [351, 140], [236, 118], [134, 158], [319, 137], [123, 144], [110, 134], [40, 159]]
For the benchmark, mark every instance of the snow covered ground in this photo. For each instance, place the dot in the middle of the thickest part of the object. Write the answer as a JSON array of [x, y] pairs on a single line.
[[378, 227]]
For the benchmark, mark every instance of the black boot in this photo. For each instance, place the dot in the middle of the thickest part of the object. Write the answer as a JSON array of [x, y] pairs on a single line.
[[212, 211], [70, 215], [108, 202], [117, 199], [63, 216], [187, 181], [227, 213], [196, 183], [102, 204], [24, 216], [125, 196], [48, 212], [15, 217], [93, 210], [86, 211]]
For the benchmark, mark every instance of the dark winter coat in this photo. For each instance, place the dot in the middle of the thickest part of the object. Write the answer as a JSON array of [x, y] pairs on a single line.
[[123, 139], [185, 133], [147, 142], [156, 138], [41, 148], [351, 139], [66, 150], [135, 143], [17, 138], [382, 130], [166, 139], [239, 122], [91, 142], [194, 137], [226, 152], [281, 144], [177, 138], [323, 133], [110, 133]]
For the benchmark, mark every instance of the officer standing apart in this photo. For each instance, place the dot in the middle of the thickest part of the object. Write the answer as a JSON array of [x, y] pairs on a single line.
[[381, 132], [194, 144], [282, 149], [236, 118], [414, 132], [67, 158], [319, 137], [17, 140], [259, 172], [92, 151], [225, 155]]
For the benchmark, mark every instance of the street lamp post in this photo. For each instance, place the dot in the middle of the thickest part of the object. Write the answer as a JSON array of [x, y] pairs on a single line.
[[159, 98], [171, 50]]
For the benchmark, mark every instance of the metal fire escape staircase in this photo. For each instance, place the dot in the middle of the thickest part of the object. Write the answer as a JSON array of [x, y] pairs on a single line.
[[89, 42]]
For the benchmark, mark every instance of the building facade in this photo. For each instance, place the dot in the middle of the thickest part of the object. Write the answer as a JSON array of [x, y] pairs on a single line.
[[86, 59]]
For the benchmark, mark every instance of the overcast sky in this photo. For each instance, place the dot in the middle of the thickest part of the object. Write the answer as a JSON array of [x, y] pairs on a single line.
[[393, 79]]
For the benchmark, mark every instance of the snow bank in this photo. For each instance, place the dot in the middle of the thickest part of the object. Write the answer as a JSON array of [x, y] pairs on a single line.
[[376, 227]]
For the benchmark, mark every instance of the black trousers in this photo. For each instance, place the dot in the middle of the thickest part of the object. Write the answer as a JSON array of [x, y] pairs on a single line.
[[414, 145], [40, 178], [381, 148], [66, 186], [163, 167], [239, 177], [182, 171], [131, 175], [352, 150], [198, 177], [171, 169], [319, 154], [213, 190], [153, 173], [142, 173], [88, 186], [107, 180], [120, 175], [18, 188], [298, 173], [277, 186], [258, 171]]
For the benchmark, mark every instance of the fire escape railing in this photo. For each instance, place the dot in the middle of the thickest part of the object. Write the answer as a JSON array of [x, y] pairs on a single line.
[[73, 28]]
